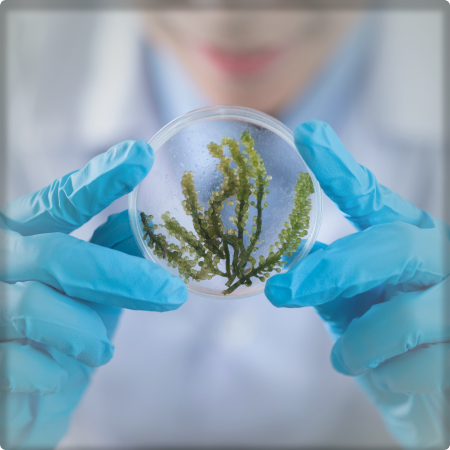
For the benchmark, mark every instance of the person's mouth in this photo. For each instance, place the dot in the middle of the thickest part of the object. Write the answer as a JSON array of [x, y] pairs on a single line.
[[235, 62]]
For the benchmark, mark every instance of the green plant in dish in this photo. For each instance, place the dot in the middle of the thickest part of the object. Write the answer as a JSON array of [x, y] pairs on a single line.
[[197, 256]]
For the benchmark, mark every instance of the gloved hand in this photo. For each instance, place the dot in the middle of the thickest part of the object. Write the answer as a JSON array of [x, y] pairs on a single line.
[[61, 297], [382, 291]]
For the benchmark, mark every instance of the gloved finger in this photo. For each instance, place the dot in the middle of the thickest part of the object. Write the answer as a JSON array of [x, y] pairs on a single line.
[[109, 315], [384, 254], [29, 370], [90, 272], [116, 233], [38, 312], [72, 200], [392, 328], [424, 369], [352, 187], [340, 312]]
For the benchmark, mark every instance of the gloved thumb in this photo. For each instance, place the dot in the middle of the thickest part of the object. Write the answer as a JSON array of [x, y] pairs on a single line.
[[352, 187]]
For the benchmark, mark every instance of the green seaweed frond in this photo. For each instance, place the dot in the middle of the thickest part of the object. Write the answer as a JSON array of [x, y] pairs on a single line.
[[197, 256]]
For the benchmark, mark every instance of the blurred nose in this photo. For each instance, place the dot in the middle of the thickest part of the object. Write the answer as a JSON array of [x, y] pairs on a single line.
[[234, 30]]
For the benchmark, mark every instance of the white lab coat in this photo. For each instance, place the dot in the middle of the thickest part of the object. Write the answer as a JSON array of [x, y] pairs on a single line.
[[214, 372]]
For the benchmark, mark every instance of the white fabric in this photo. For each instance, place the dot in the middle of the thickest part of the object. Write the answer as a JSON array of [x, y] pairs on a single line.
[[212, 372]]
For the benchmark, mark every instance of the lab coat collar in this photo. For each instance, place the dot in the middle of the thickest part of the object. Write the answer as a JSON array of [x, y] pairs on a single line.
[[116, 103], [402, 100]]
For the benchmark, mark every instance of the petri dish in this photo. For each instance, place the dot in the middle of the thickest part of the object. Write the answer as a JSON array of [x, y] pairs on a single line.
[[182, 146]]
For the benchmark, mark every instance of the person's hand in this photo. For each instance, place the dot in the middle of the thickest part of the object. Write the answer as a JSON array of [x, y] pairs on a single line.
[[60, 297], [382, 291]]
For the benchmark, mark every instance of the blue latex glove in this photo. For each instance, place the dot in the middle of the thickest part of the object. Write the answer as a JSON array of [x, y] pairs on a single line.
[[382, 292], [61, 297]]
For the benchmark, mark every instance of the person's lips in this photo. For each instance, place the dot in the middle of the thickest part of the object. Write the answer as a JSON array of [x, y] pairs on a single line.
[[240, 62]]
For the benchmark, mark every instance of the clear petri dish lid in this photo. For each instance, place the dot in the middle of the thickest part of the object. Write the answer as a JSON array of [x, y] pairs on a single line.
[[181, 147]]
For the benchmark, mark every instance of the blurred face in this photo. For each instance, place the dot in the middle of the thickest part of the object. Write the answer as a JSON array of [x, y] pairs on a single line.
[[253, 58]]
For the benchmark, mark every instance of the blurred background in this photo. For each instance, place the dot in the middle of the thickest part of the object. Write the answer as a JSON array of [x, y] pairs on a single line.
[[82, 77]]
